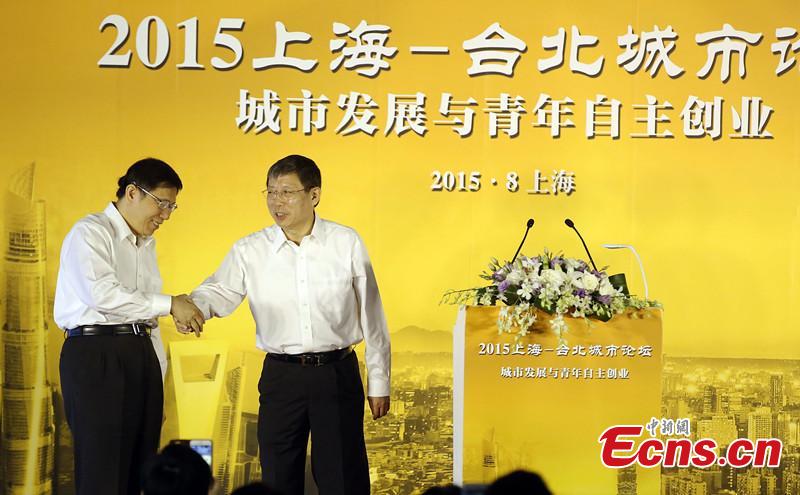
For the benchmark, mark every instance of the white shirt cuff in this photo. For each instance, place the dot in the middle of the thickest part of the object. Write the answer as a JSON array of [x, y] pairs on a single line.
[[377, 387], [162, 304]]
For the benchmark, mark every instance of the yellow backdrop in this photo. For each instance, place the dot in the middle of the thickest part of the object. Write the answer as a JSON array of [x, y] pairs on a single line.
[[717, 222]]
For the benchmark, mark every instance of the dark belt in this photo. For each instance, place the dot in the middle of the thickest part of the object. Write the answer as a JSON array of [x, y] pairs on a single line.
[[313, 358], [138, 329]]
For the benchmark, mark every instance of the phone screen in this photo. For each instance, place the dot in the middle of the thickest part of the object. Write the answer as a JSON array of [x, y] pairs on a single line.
[[202, 447]]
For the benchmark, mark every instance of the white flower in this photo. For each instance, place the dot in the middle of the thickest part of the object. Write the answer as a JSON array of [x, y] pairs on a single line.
[[606, 289], [553, 278], [486, 299], [559, 326], [525, 291], [589, 281], [515, 276], [532, 264]]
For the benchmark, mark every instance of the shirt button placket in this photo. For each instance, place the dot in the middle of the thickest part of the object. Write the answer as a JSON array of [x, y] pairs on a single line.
[[139, 275], [303, 298]]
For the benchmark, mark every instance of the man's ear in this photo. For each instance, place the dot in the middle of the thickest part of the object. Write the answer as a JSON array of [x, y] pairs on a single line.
[[316, 195], [130, 192]]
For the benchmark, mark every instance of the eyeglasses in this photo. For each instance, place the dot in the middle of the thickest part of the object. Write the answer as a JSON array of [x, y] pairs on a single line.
[[162, 203], [272, 194]]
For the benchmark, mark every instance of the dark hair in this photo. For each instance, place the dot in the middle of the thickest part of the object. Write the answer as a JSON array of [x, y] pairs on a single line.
[[519, 482], [443, 490], [176, 470], [149, 173], [305, 168], [256, 488]]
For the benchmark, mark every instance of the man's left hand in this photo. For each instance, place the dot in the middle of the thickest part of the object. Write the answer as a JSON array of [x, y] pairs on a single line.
[[379, 406]]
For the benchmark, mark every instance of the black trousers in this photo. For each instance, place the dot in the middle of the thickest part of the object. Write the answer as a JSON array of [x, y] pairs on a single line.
[[114, 400], [326, 400]]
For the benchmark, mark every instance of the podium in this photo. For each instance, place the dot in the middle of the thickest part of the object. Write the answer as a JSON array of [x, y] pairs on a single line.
[[541, 404]]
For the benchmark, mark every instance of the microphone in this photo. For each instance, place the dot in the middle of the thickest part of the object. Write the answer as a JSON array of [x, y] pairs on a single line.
[[571, 225], [527, 229]]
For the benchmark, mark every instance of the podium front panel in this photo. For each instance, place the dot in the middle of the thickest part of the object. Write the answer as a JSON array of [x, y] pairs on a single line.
[[541, 404]]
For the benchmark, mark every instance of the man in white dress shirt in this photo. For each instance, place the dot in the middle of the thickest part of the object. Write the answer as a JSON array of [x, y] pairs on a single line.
[[313, 296], [108, 300]]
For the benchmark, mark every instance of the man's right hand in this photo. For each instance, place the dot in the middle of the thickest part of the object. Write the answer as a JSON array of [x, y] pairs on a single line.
[[188, 318]]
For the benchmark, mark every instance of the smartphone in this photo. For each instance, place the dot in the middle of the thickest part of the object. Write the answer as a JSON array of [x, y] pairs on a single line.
[[201, 446]]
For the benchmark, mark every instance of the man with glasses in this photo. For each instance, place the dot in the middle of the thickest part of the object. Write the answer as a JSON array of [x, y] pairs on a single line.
[[108, 301], [313, 296]]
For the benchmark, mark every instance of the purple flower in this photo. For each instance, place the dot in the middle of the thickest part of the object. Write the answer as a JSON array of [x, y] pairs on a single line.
[[580, 292], [499, 276], [604, 300], [503, 286]]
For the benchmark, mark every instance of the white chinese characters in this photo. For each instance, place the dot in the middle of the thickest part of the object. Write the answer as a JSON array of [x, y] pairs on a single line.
[[505, 116], [366, 49]]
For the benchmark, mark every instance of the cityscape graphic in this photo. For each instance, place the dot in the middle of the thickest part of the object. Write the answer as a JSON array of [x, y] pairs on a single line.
[[728, 399], [410, 450]]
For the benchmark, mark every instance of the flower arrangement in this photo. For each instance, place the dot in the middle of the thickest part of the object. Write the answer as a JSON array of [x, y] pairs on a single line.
[[552, 283]]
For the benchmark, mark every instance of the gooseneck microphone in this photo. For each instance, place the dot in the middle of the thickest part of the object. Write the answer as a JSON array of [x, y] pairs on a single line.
[[527, 229], [571, 225]]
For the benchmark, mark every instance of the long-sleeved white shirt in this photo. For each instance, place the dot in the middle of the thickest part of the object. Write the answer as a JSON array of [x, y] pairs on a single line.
[[319, 296], [105, 278]]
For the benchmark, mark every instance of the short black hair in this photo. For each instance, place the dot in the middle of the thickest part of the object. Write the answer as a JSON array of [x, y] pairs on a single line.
[[176, 470], [443, 490], [149, 173], [519, 482], [305, 168], [256, 488]]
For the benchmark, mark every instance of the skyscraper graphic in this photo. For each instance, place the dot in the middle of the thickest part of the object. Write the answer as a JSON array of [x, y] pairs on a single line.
[[710, 400], [490, 449], [776, 392], [198, 371], [626, 481], [226, 429], [28, 439], [759, 423], [248, 465], [217, 397], [235, 437]]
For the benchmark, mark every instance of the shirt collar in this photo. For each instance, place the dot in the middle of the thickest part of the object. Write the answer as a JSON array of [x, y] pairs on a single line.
[[318, 230], [279, 240], [121, 227], [317, 234]]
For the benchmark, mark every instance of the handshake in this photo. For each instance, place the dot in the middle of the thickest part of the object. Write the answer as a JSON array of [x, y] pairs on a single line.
[[188, 318]]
